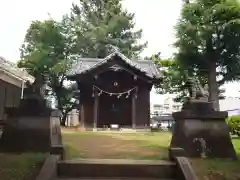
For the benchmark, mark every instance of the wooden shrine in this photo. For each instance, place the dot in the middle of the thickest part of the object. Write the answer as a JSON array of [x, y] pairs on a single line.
[[114, 90]]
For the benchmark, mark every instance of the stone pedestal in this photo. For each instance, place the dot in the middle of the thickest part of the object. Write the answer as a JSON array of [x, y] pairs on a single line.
[[202, 132], [27, 127]]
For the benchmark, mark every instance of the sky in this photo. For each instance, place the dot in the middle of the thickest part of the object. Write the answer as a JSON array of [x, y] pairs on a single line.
[[156, 17]]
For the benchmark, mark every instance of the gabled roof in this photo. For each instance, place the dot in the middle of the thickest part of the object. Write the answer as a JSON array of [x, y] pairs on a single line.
[[13, 70], [83, 65]]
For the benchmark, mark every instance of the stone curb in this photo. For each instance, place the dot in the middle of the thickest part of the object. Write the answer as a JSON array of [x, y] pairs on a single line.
[[49, 168], [184, 170]]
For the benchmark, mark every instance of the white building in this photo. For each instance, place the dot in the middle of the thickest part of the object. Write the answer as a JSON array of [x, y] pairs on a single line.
[[164, 104], [12, 84], [230, 104]]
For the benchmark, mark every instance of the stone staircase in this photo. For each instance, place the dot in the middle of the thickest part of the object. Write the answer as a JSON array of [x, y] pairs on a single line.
[[56, 167], [117, 169]]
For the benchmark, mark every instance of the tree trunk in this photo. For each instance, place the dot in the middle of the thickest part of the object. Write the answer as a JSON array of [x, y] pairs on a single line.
[[63, 118], [213, 85]]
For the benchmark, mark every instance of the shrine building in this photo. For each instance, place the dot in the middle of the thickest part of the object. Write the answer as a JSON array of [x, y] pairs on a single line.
[[114, 90]]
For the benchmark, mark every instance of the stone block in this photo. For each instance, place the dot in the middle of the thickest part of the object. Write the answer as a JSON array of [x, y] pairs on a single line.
[[28, 127], [202, 132], [26, 134], [49, 169], [176, 152], [184, 169]]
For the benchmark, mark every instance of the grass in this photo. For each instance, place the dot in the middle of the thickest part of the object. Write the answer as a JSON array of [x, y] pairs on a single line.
[[145, 146], [219, 169], [116, 145], [25, 166], [236, 143], [216, 169]]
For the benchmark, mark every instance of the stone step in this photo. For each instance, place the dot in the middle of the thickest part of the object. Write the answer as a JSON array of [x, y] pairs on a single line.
[[113, 179], [112, 168]]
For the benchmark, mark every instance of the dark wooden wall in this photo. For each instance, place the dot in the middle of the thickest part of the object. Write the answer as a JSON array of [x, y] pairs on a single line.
[[123, 116], [143, 107]]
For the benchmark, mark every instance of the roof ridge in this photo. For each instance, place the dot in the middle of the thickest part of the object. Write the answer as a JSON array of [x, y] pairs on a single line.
[[14, 69], [145, 66], [91, 59]]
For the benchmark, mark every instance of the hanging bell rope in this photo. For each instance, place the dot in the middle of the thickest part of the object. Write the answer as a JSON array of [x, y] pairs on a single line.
[[128, 92]]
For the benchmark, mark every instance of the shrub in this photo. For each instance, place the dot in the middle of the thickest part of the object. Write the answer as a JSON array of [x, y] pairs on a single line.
[[234, 124]]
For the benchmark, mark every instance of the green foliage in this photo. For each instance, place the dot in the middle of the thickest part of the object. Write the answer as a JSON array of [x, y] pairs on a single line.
[[208, 38], [45, 51], [97, 24], [234, 124], [49, 46], [175, 77], [42, 47], [154, 56]]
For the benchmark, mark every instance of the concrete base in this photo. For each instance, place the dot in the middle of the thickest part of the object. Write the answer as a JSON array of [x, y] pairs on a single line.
[[175, 152], [27, 127], [202, 132], [26, 134]]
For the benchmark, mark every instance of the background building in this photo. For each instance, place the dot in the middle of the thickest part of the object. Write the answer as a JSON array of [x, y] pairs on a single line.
[[12, 84], [164, 104], [230, 104]]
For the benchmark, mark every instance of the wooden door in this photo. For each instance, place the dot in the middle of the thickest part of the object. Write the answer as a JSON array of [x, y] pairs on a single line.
[[115, 110]]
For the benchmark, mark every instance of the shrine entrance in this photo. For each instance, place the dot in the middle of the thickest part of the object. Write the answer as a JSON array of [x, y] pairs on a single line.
[[114, 110], [114, 90]]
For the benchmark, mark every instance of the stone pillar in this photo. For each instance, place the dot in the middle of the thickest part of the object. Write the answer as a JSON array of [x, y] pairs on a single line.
[[74, 117], [201, 131]]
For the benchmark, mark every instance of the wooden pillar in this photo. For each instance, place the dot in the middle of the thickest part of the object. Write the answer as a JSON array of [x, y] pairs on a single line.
[[82, 116], [95, 119], [134, 96]]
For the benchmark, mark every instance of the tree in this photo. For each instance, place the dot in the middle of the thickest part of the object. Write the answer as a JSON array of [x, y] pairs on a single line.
[[156, 56], [208, 41], [234, 124], [174, 79], [46, 51], [99, 23], [90, 29]]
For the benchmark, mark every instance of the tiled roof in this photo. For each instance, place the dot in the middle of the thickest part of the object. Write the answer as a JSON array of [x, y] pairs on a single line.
[[82, 65], [14, 70]]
